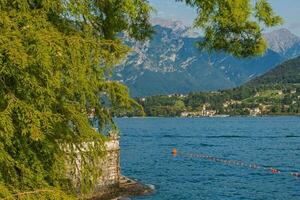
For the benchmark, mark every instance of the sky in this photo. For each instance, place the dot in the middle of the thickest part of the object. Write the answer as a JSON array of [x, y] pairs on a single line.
[[289, 10]]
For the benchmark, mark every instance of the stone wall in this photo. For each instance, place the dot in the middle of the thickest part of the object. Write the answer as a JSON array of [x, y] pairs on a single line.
[[110, 165]]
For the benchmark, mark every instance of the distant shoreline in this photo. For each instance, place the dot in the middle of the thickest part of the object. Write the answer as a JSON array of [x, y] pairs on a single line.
[[230, 116]]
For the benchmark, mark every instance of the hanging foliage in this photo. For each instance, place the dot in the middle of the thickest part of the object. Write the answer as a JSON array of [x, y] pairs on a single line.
[[234, 26], [55, 57]]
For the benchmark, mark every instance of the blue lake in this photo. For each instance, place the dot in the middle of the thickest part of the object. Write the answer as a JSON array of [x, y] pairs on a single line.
[[146, 145]]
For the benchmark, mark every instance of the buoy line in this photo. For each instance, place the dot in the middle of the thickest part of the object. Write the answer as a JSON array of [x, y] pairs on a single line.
[[272, 170]]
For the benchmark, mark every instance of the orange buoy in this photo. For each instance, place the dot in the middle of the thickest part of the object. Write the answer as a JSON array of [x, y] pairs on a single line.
[[275, 171], [174, 152]]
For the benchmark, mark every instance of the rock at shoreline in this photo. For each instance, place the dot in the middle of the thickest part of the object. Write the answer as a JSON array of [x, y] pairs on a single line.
[[122, 198], [126, 188]]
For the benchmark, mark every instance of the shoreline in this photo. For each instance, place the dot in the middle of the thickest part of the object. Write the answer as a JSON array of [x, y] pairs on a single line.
[[124, 190], [214, 116]]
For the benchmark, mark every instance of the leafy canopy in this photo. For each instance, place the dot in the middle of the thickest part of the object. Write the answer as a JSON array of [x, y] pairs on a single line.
[[55, 57], [234, 26], [55, 60]]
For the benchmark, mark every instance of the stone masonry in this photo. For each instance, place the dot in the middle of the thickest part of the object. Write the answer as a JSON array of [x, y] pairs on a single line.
[[110, 165]]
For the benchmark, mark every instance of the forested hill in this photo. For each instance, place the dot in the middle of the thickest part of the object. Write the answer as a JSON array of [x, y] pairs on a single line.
[[287, 72], [274, 93]]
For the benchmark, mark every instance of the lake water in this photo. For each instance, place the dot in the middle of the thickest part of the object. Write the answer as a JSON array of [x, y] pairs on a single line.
[[146, 145]]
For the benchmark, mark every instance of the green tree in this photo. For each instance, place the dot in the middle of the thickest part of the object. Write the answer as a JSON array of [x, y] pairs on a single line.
[[179, 105], [234, 26], [55, 56]]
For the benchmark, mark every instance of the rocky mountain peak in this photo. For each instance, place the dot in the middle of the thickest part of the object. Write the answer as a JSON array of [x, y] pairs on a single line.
[[282, 39], [171, 63], [175, 25]]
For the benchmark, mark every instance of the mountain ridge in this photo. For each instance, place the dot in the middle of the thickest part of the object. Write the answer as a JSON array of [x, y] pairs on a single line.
[[286, 73], [171, 63], [276, 92], [281, 40]]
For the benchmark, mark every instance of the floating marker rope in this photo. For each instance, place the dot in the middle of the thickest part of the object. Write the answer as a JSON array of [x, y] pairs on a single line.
[[295, 173]]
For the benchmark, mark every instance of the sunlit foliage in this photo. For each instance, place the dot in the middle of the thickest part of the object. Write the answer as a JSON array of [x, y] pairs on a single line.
[[55, 57], [234, 26]]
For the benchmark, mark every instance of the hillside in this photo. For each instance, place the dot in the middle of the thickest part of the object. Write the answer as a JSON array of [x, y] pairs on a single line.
[[170, 62], [288, 72], [277, 92]]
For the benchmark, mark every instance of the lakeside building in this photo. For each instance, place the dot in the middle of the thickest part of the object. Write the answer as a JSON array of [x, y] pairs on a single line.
[[177, 95], [226, 104], [255, 111], [204, 112]]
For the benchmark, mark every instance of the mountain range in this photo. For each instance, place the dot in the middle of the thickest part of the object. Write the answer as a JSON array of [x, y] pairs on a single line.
[[277, 92], [170, 62]]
